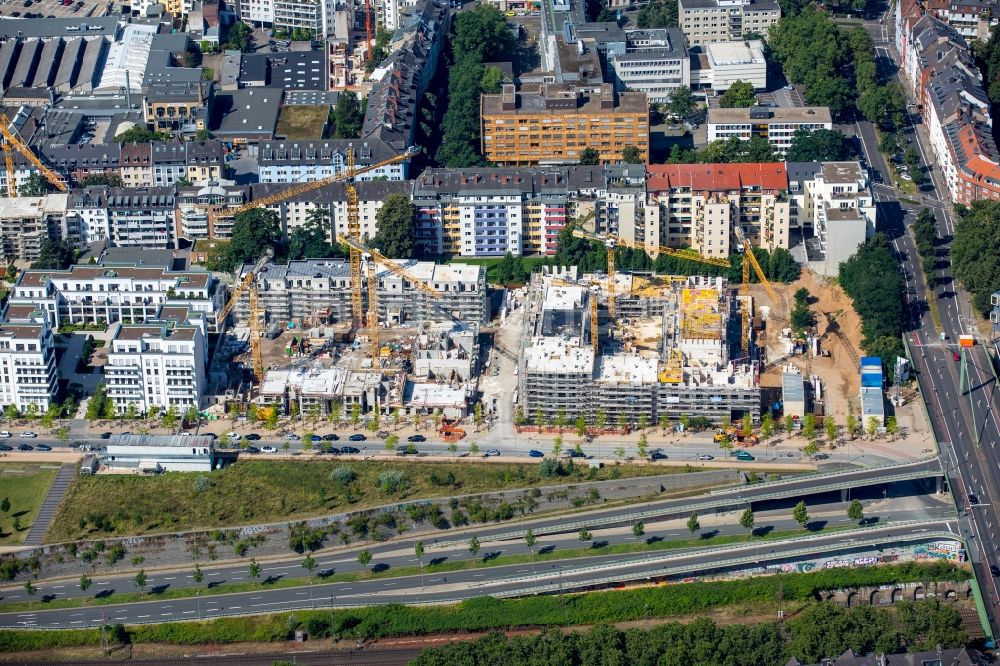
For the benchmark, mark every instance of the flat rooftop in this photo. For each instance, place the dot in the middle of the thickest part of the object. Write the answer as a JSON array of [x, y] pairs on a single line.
[[177, 441], [433, 395], [558, 355], [798, 114], [736, 53], [842, 172], [533, 102], [627, 369], [561, 297], [872, 403]]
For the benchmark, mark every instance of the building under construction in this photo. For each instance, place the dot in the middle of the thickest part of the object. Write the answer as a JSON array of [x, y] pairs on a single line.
[[663, 348], [319, 291]]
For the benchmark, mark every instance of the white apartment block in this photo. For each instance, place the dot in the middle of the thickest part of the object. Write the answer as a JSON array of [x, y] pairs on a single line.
[[28, 375], [303, 161], [833, 201], [128, 217], [730, 62], [777, 125], [107, 295], [707, 21], [160, 363], [325, 18]]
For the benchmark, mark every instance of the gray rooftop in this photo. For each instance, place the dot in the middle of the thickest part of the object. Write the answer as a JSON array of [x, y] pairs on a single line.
[[250, 113], [802, 171], [58, 27]]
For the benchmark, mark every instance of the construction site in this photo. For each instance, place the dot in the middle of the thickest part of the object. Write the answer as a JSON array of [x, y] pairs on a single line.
[[364, 335], [652, 346]]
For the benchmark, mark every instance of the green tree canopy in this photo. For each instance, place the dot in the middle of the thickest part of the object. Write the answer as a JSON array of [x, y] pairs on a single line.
[[253, 231], [589, 157], [681, 104], [347, 116], [54, 255], [395, 235], [740, 95], [35, 185], [820, 145], [658, 14], [312, 239]]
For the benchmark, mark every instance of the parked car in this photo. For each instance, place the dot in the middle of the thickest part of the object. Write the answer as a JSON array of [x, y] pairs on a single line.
[[29, 434], [535, 453], [995, 570], [332, 437], [234, 436], [788, 87], [491, 453], [573, 453], [705, 456], [416, 438], [25, 447], [406, 450], [657, 455], [333, 450], [252, 437], [349, 450], [4, 434], [955, 356], [105, 435], [268, 449], [292, 437], [6, 447], [357, 437], [744, 456], [42, 447], [252, 449], [315, 438]]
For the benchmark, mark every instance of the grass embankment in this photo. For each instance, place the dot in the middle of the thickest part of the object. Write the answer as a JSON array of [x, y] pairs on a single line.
[[487, 613], [25, 486], [264, 491], [432, 567]]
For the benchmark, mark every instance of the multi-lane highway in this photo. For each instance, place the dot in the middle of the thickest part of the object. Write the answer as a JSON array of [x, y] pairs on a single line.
[[505, 580], [663, 521], [965, 424]]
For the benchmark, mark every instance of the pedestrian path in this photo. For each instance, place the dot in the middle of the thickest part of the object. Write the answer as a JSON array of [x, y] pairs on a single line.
[[48, 510]]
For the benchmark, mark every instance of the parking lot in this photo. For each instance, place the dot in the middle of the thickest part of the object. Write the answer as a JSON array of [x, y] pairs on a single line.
[[53, 9]]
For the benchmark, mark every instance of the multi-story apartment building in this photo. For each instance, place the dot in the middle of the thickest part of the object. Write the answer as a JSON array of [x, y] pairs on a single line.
[[324, 18], [555, 124], [940, 71], [80, 160], [777, 125], [302, 161], [106, 295], [973, 19], [29, 378], [320, 290], [160, 362], [832, 204], [699, 206], [707, 21], [491, 211], [195, 204], [654, 62], [169, 163], [27, 222], [205, 160], [136, 217], [137, 164]]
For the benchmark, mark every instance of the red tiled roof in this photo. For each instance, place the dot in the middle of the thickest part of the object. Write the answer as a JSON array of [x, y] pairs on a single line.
[[717, 177]]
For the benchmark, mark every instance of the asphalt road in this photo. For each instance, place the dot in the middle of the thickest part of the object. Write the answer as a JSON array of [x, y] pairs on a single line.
[[508, 580], [966, 425], [495, 541]]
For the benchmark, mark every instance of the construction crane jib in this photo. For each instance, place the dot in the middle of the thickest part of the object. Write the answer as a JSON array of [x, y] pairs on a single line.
[[249, 286], [12, 140], [376, 258]]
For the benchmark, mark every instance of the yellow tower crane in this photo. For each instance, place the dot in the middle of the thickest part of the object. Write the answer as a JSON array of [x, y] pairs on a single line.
[[611, 242], [249, 286], [378, 259], [353, 224], [12, 140], [750, 260]]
